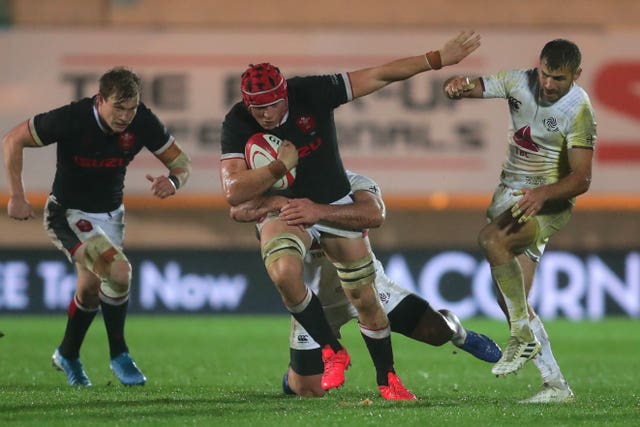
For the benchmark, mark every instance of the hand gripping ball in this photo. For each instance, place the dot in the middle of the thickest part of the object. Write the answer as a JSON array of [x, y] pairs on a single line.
[[262, 149]]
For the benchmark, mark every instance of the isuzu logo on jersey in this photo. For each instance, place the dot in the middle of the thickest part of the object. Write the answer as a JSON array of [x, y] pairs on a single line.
[[305, 123], [309, 148], [126, 140], [109, 162]]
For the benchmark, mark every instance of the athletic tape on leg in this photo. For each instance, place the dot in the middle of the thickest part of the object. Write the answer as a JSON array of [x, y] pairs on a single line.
[[99, 255], [283, 244], [353, 274]]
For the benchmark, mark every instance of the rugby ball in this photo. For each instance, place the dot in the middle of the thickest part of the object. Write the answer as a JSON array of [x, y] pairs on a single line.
[[262, 149]]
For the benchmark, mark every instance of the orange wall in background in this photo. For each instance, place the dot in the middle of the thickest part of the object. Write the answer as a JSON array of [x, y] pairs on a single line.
[[326, 13]]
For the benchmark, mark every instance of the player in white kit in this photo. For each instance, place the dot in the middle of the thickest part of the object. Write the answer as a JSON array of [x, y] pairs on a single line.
[[408, 313], [551, 140]]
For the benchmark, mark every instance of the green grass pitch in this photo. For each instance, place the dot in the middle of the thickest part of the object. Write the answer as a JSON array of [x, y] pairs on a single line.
[[226, 370]]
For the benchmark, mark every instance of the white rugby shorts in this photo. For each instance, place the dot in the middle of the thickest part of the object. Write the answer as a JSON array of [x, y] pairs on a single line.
[[69, 228]]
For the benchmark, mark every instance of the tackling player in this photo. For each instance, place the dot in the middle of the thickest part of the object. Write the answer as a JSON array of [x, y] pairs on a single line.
[[300, 112], [408, 314], [551, 139], [96, 140]]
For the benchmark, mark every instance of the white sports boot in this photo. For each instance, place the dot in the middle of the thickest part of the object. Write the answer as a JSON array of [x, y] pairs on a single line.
[[552, 394], [515, 355]]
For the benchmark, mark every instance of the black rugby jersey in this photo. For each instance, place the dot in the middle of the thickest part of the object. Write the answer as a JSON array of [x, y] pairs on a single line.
[[320, 175], [91, 164]]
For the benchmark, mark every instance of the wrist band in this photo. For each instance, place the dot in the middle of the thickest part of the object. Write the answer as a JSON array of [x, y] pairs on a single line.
[[174, 180], [277, 168], [426, 60], [433, 59]]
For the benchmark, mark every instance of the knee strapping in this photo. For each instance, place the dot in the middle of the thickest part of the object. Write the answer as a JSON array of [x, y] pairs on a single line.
[[112, 293], [353, 274], [116, 285], [100, 255], [283, 244]]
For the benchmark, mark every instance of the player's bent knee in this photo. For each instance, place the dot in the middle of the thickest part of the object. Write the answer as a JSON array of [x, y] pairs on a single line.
[[283, 244], [354, 274], [100, 254], [110, 265], [284, 270], [117, 286], [307, 386], [364, 298], [484, 239], [114, 290], [119, 280], [488, 242], [311, 392]]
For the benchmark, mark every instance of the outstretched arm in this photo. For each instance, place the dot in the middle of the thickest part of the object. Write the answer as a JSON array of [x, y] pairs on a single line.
[[12, 146], [368, 80]]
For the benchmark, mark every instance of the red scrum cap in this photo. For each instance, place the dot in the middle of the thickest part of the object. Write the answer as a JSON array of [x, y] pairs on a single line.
[[262, 85]]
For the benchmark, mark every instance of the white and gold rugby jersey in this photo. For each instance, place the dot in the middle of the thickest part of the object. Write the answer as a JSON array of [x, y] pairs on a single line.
[[540, 133]]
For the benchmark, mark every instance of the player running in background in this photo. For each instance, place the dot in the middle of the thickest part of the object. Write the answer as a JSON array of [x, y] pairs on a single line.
[[551, 139], [96, 139], [299, 111], [408, 314]]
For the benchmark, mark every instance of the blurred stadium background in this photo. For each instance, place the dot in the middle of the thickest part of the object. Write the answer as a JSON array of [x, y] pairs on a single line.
[[436, 161]]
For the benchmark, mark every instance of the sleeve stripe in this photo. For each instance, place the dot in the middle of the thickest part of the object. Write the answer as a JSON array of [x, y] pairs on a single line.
[[166, 145], [33, 133], [347, 86], [228, 156]]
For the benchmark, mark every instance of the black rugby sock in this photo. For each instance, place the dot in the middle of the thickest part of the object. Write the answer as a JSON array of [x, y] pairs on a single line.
[[382, 355], [312, 318], [78, 321], [114, 318]]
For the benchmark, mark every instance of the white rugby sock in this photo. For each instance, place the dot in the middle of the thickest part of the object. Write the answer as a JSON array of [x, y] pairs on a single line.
[[376, 334], [510, 281], [298, 308], [544, 361]]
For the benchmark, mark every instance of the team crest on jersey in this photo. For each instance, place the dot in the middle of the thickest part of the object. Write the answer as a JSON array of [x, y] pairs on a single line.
[[551, 124], [523, 139], [306, 123], [84, 225], [126, 140]]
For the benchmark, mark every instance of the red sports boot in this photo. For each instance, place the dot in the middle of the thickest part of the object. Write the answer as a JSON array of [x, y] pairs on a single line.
[[395, 390], [334, 366]]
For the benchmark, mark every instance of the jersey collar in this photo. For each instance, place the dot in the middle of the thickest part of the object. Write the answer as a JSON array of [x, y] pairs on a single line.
[[96, 115]]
